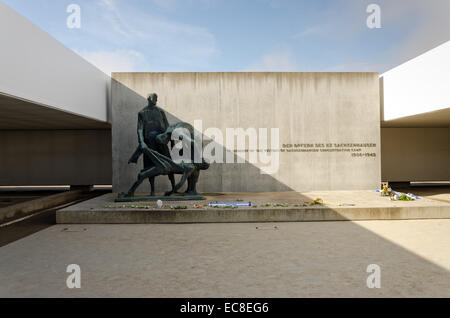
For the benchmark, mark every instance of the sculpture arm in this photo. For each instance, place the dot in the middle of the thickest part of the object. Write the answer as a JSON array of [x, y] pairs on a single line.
[[140, 131], [135, 156]]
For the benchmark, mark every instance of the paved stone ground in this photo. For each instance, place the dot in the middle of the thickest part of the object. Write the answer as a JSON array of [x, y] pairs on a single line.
[[325, 259]]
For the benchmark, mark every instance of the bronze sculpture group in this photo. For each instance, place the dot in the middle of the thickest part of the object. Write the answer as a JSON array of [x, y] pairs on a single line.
[[154, 135]]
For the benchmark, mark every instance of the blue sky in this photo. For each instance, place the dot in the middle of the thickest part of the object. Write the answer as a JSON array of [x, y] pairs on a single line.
[[243, 35]]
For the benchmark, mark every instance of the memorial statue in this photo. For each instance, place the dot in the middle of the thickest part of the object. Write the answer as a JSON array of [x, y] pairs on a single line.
[[157, 157]]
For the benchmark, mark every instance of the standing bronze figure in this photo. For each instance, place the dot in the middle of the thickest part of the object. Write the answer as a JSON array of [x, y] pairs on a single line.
[[152, 121]]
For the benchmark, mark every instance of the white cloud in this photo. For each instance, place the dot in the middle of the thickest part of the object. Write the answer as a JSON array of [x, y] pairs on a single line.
[[116, 61], [280, 60], [427, 21], [423, 25], [166, 44], [316, 30]]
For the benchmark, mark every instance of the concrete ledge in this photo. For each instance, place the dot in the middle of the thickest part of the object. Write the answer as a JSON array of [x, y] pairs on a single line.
[[23, 209], [102, 210]]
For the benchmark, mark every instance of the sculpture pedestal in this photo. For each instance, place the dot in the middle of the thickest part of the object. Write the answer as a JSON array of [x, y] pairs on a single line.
[[173, 197], [357, 205]]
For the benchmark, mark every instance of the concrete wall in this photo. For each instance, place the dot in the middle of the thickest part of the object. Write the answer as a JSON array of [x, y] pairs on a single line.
[[321, 109], [36, 67], [415, 154], [419, 85], [55, 157]]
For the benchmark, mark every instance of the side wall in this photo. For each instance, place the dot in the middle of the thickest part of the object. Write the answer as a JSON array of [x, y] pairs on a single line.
[[36, 67], [419, 85], [318, 115], [55, 157], [415, 154]]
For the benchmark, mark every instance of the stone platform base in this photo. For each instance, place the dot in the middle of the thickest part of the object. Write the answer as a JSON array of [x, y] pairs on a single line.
[[174, 197], [267, 207]]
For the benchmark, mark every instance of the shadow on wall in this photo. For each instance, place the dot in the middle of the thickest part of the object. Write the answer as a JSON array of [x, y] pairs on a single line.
[[220, 177]]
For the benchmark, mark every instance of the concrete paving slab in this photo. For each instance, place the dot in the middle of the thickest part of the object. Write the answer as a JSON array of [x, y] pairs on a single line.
[[314, 259], [267, 207]]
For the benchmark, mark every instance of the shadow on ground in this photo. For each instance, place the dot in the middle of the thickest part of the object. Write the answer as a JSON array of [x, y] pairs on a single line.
[[35, 222]]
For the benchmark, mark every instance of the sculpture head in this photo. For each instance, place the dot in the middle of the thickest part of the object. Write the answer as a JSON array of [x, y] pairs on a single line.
[[152, 99]]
